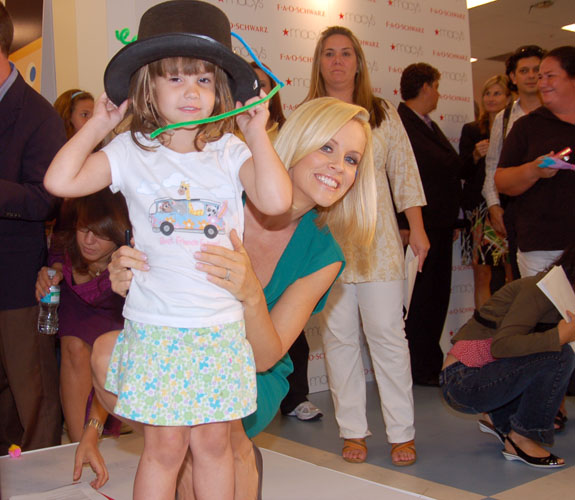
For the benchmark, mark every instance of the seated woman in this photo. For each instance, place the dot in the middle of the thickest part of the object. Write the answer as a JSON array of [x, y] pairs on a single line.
[[90, 229], [285, 269], [512, 361]]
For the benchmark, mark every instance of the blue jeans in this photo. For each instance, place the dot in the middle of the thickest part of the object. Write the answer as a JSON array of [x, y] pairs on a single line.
[[522, 393]]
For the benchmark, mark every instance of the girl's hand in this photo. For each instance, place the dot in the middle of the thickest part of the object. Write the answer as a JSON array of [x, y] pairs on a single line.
[[120, 267], [43, 283], [87, 452], [254, 119], [220, 263], [107, 113]]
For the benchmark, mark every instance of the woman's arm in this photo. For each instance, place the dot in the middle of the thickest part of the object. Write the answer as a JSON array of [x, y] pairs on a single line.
[[417, 236], [263, 176], [87, 451], [514, 181], [270, 333], [76, 171]]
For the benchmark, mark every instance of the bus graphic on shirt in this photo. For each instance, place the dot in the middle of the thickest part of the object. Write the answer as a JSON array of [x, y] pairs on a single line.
[[198, 216]]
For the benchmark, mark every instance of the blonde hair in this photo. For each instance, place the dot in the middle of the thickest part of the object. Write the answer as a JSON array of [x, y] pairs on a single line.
[[309, 128], [143, 114], [362, 93], [503, 82]]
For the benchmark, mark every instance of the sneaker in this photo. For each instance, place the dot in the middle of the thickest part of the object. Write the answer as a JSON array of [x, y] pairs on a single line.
[[306, 411]]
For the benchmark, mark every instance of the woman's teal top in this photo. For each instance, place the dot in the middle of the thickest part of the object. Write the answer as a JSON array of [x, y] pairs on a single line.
[[309, 250]]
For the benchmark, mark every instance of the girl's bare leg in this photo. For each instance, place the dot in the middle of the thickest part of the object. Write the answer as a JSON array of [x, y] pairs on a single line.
[[246, 474], [164, 451], [185, 486], [213, 461]]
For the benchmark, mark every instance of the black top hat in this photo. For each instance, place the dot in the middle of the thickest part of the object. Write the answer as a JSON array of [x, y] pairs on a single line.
[[181, 28]]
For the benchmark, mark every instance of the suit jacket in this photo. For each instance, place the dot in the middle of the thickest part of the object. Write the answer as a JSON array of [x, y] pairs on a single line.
[[440, 169], [31, 133], [474, 174]]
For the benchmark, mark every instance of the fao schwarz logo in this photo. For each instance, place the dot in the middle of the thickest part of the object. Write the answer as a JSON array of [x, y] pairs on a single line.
[[450, 34], [412, 7], [406, 48], [252, 4], [454, 118], [357, 18]]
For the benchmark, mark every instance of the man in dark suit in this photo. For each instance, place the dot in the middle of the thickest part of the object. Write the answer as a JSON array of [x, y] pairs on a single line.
[[31, 132], [440, 169]]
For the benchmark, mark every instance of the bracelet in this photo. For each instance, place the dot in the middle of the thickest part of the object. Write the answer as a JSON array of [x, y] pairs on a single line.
[[94, 422]]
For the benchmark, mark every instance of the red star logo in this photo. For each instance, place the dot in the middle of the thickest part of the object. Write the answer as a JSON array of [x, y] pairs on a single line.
[[390, 2], [437, 32], [340, 15], [441, 117], [394, 91], [392, 47], [288, 82], [286, 32]]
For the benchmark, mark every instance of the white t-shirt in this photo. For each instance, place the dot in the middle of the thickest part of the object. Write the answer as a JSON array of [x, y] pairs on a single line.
[[176, 202]]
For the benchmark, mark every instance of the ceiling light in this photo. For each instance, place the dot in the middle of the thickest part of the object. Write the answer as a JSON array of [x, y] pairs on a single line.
[[569, 27], [472, 59], [477, 3]]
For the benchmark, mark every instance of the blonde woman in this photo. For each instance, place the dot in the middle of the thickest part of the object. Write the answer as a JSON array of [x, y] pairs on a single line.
[[371, 287], [482, 246], [283, 271]]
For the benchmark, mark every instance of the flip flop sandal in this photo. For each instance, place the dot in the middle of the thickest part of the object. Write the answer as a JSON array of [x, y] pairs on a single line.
[[408, 446], [352, 445]]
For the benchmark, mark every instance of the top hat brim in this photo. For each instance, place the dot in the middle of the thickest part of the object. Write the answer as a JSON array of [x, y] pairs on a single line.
[[244, 83]]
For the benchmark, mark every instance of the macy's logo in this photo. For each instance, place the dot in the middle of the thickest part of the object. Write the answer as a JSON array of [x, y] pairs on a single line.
[[405, 48], [450, 34], [252, 4], [357, 18], [301, 33], [412, 7]]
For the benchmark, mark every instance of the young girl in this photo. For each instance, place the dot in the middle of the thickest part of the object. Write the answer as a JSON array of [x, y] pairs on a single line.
[[76, 108], [182, 359]]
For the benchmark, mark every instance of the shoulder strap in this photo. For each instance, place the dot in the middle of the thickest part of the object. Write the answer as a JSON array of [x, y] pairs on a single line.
[[506, 115]]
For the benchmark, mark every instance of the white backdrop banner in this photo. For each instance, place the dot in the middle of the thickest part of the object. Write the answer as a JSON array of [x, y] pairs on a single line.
[[393, 34]]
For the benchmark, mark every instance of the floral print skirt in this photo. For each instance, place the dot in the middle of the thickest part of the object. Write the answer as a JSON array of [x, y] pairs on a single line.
[[182, 376], [481, 244]]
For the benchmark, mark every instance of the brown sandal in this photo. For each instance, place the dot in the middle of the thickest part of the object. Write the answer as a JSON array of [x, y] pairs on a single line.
[[408, 446], [352, 445]]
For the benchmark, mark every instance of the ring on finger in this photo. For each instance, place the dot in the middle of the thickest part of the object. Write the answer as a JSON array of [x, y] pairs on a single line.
[[227, 276]]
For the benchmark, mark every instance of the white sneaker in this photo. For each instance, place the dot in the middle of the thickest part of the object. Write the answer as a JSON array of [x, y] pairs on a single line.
[[306, 411]]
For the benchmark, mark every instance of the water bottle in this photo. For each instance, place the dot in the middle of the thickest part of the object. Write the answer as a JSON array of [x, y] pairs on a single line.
[[48, 317]]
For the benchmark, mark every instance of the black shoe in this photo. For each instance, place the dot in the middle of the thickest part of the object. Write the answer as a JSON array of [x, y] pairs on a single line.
[[548, 462], [489, 428]]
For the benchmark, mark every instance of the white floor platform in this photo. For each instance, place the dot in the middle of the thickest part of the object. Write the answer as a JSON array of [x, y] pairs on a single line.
[[284, 477]]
